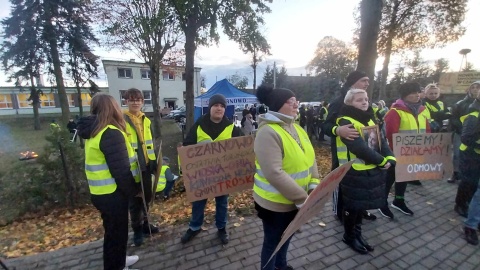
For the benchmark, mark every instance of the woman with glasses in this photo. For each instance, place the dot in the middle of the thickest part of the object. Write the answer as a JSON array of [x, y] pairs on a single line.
[[286, 171]]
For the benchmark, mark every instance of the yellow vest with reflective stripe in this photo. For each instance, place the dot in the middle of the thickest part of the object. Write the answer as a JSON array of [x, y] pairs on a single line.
[[410, 124], [432, 108], [162, 181], [463, 147], [100, 181], [179, 166], [344, 155], [295, 163], [147, 137], [204, 137]]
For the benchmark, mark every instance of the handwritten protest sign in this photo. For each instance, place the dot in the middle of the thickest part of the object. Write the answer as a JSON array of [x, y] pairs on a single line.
[[422, 156], [217, 168], [314, 203]]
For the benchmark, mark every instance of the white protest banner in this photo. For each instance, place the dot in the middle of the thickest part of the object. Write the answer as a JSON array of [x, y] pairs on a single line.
[[314, 203], [217, 168], [427, 156]]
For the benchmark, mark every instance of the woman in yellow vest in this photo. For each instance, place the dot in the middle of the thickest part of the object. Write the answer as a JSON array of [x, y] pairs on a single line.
[[437, 110], [363, 186], [111, 168], [286, 171], [407, 115]]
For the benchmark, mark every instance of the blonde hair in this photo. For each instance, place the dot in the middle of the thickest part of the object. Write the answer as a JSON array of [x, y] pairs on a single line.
[[108, 112], [430, 87], [351, 94]]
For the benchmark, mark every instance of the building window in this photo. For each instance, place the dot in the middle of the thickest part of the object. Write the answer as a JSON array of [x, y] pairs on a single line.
[[47, 100], [145, 73], [147, 97], [23, 101], [71, 100], [123, 101], [86, 99], [184, 76], [168, 75], [6, 101], [125, 73]]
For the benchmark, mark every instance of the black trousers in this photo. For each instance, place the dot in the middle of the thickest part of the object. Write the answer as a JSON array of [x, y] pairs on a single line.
[[469, 175], [114, 211], [138, 213], [400, 187]]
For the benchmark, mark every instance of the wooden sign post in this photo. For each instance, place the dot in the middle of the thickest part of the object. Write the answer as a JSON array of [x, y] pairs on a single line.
[[425, 156], [217, 168]]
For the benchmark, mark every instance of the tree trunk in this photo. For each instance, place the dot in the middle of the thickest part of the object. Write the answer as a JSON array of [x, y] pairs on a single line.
[[371, 13], [155, 84], [388, 51], [35, 105], [79, 99], [190, 36], [254, 66]]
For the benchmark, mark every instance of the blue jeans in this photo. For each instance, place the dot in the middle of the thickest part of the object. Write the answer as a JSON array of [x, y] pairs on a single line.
[[273, 227], [168, 187], [474, 211], [198, 213]]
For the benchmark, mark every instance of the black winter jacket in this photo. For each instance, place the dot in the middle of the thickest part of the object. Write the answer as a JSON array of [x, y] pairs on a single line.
[[113, 146], [471, 127], [458, 110], [211, 128], [362, 190]]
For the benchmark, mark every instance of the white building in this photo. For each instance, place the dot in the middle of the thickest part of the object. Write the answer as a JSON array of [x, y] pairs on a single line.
[[14, 100], [123, 75]]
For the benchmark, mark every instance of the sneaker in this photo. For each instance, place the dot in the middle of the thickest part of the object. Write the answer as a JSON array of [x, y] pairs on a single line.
[[402, 207], [131, 260], [385, 211], [137, 237], [368, 216], [189, 235], [223, 235], [147, 228], [471, 236]]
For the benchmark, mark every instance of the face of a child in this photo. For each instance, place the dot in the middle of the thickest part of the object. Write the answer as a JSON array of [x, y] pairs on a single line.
[[433, 93], [360, 101]]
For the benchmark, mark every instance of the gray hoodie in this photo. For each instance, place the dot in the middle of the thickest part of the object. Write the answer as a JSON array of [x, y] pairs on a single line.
[[269, 153]]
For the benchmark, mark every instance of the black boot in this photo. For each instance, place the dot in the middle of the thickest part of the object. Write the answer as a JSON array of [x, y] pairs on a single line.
[[349, 237], [358, 234]]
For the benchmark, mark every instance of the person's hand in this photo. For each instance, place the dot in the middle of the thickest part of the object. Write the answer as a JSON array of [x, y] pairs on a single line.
[[387, 165], [347, 132]]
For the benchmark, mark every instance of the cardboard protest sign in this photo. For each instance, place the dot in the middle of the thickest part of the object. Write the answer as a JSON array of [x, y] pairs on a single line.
[[425, 156], [217, 168], [314, 203]]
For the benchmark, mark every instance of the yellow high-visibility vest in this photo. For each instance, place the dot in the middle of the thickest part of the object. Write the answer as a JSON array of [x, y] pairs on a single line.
[[203, 137], [162, 181], [296, 163], [410, 124], [100, 180], [463, 147], [147, 137]]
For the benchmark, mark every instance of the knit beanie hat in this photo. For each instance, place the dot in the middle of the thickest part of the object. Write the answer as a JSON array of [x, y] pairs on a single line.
[[408, 88], [353, 77], [166, 159], [217, 99], [273, 98]]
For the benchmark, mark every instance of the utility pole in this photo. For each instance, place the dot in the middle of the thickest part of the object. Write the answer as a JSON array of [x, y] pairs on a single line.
[[274, 75]]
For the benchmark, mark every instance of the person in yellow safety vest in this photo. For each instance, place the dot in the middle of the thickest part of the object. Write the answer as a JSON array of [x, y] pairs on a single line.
[[286, 171], [407, 115], [364, 184], [111, 170], [323, 117], [437, 110], [141, 139], [54, 127], [211, 127], [167, 179]]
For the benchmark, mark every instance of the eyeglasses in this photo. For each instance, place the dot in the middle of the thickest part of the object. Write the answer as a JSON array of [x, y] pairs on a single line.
[[135, 100], [292, 101]]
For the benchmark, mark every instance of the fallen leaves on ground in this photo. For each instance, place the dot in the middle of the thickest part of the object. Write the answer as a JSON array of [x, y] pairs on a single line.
[[62, 228]]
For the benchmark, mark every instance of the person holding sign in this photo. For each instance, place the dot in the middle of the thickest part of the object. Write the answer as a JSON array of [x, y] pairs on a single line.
[[211, 127], [286, 171], [141, 139], [111, 170], [363, 186], [407, 115]]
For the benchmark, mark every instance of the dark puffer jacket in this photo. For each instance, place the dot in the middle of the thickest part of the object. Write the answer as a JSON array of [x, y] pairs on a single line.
[[114, 148], [458, 110], [363, 190]]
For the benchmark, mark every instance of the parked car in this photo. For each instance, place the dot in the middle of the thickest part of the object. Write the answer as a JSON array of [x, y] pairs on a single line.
[[180, 116], [173, 112]]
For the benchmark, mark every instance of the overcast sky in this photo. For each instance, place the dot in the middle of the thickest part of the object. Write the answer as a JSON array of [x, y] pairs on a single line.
[[293, 29]]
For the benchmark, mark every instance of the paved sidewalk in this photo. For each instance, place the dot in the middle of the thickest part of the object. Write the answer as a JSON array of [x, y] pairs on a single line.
[[432, 239]]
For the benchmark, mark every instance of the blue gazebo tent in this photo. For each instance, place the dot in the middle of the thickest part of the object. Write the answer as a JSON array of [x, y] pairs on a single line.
[[234, 98]]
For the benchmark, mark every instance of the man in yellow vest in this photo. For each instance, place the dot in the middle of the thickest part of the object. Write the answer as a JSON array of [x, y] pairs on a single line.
[[167, 179], [141, 140], [211, 127]]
